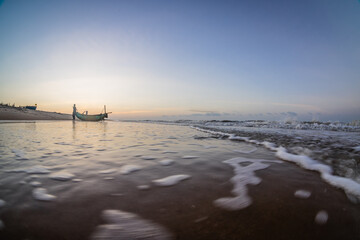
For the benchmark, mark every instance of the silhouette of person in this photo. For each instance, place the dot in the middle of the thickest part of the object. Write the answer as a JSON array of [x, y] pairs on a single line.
[[74, 112]]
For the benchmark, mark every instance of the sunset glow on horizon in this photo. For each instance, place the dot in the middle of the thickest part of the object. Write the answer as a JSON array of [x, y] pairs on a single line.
[[184, 60]]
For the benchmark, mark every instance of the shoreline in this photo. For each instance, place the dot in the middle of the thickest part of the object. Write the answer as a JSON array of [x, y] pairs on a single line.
[[17, 113]]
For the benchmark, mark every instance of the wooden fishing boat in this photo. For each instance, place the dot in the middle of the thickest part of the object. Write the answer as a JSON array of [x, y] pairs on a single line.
[[31, 107], [97, 117], [86, 117]]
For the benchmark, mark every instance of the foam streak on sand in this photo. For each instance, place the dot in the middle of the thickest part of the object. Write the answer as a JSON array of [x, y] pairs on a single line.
[[350, 186], [166, 162], [321, 217], [244, 175], [126, 169], [124, 225], [42, 195], [107, 171], [302, 194], [62, 176], [171, 180], [35, 183]]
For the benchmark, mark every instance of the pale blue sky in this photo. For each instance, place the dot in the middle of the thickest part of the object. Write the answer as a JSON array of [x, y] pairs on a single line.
[[184, 59]]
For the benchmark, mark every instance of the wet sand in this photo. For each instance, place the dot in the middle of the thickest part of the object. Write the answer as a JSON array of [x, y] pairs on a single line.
[[185, 209], [17, 113], [188, 212]]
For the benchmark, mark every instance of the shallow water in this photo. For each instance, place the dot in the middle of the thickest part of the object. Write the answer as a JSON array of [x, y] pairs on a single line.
[[68, 158], [46, 166]]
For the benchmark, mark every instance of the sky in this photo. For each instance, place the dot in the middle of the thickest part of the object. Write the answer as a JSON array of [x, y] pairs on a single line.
[[237, 60]]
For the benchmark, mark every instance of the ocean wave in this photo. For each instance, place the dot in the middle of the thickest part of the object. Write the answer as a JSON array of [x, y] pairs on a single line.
[[349, 185]]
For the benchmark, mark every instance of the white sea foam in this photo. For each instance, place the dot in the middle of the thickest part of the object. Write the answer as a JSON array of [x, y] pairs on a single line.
[[321, 217], [2, 203], [244, 175], [286, 125], [107, 171], [62, 176], [269, 145], [233, 137], [254, 142], [42, 195], [302, 160], [357, 148], [351, 187], [77, 180], [35, 183], [348, 185], [125, 225], [126, 169], [171, 180], [302, 194], [189, 157], [166, 162]]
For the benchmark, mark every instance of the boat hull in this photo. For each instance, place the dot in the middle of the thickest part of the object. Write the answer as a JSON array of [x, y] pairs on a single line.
[[97, 117], [31, 107]]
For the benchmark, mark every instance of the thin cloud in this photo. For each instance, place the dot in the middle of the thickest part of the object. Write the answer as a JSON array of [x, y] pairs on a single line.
[[301, 106], [202, 111]]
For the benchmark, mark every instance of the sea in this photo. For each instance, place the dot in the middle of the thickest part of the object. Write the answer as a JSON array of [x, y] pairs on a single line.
[[179, 180]]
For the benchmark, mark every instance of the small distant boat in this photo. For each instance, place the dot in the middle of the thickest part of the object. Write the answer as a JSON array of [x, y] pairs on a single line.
[[31, 107], [85, 117]]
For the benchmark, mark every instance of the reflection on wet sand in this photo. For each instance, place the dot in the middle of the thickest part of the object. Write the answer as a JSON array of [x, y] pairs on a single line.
[[81, 180]]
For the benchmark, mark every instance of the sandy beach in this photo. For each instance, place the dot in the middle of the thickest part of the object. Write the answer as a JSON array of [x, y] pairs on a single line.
[[116, 180], [18, 113]]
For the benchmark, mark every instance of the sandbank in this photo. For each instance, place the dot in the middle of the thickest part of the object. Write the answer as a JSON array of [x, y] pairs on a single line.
[[19, 113]]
